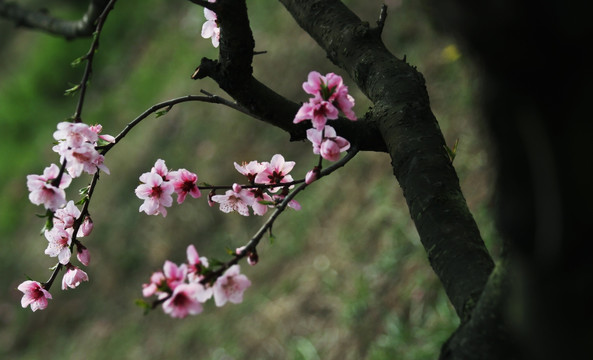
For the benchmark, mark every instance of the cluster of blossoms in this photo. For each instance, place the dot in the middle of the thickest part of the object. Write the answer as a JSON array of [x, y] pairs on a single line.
[[260, 194], [77, 142], [77, 149], [330, 96], [210, 29], [159, 184], [181, 291]]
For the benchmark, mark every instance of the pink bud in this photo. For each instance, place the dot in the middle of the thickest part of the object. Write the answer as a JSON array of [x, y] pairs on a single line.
[[87, 227], [312, 175], [83, 255], [236, 187], [252, 258]]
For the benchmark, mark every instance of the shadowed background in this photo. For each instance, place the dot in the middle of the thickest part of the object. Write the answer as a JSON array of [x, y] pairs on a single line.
[[345, 278]]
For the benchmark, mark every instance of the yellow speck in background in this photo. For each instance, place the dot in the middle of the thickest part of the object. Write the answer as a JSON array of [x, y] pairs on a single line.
[[450, 53]]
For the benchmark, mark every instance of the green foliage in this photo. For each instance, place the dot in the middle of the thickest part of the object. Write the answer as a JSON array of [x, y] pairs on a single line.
[[346, 277]]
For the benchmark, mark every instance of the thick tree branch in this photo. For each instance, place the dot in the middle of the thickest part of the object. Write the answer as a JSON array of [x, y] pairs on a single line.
[[486, 335], [414, 141], [233, 73], [41, 20]]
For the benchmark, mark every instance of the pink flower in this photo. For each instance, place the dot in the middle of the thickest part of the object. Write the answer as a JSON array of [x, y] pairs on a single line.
[[210, 28], [184, 301], [174, 274], [73, 135], [83, 255], [230, 286], [76, 145], [34, 295], [331, 148], [157, 284], [318, 111], [156, 194], [160, 168], [234, 201], [345, 102], [59, 244], [329, 87], [327, 143], [184, 182], [65, 217], [97, 128], [257, 196], [43, 192], [195, 264], [250, 169], [275, 172], [73, 277], [82, 158], [329, 95], [291, 204]]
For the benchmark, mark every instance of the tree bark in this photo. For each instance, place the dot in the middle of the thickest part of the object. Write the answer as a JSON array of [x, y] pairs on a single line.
[[401, 123]]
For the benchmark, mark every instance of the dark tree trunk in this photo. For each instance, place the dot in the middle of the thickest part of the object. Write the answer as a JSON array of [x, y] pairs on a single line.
[[536, 95]]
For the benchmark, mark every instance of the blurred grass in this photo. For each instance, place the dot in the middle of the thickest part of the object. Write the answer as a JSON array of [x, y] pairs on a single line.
[[346, 277]]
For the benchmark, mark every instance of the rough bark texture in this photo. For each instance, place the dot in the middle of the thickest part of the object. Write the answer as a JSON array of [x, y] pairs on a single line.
[[400, 123], [413, 138]]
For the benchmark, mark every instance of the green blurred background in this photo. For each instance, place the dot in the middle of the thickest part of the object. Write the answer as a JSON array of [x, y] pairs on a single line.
[[346, 277]]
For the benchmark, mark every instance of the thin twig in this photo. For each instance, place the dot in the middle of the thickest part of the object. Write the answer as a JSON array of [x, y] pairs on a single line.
[[42, 20], [89, 60], [254, 241], [382, 18], [75, 227], [214, 99]]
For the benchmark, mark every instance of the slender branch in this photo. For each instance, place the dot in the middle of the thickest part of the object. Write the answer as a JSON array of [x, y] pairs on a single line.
[[41, 20], [168, 105], [210, 277], [255, 239], [89, 56], [75, 227], [77, 118]]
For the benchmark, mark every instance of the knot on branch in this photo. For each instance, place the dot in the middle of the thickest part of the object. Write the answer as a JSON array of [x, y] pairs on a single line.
[[207, 68]]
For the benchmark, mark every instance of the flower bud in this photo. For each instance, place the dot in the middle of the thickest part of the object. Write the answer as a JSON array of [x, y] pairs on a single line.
[[236, 187], [312, 175], [83, 255], [86, 228], [252, 258]]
